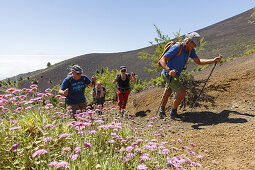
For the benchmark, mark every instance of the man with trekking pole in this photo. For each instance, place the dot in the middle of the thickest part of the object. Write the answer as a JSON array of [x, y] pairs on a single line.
[[173, 62]]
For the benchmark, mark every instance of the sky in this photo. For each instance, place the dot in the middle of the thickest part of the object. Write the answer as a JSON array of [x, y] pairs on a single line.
[[35, 32]]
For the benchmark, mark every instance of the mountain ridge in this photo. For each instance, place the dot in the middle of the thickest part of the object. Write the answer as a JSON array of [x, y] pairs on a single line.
[[229, 37]]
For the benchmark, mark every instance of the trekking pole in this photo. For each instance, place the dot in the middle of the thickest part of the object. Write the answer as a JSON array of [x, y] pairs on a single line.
[[203, 87]]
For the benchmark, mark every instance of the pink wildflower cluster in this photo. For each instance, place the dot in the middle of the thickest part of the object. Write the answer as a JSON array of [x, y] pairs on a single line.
[[60, 164], [39, 152]]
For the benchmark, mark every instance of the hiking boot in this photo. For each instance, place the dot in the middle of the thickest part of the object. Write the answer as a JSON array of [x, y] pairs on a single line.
[[174, 115], [162, 113]]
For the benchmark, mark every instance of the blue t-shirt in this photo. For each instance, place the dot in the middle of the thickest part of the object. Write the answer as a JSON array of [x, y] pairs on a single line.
[[76, 89], [179, 62]]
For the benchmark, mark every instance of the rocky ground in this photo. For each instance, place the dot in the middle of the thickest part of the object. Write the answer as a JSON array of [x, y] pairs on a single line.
[[223, 125]]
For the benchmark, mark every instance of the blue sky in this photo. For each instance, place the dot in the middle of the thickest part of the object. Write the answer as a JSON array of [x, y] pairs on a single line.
[[34, 32]]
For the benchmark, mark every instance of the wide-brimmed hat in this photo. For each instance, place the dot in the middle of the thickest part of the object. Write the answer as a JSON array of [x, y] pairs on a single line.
[[195, 37]]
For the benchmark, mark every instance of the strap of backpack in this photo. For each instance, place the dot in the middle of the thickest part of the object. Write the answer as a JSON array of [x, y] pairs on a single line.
[[179, 51], [168, 46], [69, 82]]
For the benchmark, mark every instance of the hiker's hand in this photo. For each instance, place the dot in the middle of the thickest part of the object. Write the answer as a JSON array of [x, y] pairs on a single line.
[[93, 79], [65, 92], [172, 73], [217, 59], [133, 74]]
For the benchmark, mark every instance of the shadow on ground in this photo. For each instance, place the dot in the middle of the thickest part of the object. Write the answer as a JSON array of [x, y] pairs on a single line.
[[142, 113], [210, 118]]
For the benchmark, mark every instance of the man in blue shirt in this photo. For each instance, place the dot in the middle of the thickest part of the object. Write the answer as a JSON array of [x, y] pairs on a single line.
[[173, 66], [73, 88]]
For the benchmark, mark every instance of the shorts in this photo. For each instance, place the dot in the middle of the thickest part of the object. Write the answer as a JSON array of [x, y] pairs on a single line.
[[75, 107], [100, 101], [173, 86]]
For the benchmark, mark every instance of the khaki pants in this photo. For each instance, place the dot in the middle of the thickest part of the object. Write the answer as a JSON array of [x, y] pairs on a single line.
[[77, 107]]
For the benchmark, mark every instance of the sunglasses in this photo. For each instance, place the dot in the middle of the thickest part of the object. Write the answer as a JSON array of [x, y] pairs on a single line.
[[123, 70], [78, 73]]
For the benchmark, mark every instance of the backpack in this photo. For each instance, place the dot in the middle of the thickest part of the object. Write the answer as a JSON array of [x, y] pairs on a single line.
[[69, 79], [162, 59]]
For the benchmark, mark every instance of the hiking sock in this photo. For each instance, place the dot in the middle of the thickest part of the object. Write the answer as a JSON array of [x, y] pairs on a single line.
[[162, 109]]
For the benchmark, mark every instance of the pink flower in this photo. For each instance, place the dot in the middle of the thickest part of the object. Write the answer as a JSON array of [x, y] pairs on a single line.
[[192, 144], [47, 126], [47, 139], [197, 164], [200, 156], [175, 149], [141, 167], [138, 150], [130, 155], [48, 90], [14, 147], [77, 149], [111, 141], [145, 158], [139, 140], [179, 140], [87, 145], [19, 109], [33, 86], [165, 151], [53, 164], [192, 153], [39, 152], [10, 90], [129, 148], [65, 135], [73, 157], [92, 132], [63, 164], [16, 127]]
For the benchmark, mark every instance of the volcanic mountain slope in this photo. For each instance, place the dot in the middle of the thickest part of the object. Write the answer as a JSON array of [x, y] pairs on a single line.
[[222, 127], [229, 37]]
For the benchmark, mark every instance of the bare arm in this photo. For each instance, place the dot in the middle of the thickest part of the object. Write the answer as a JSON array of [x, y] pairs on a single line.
[[91, 84], [133, 77], [163, 62], [207, 61], [115, 80]]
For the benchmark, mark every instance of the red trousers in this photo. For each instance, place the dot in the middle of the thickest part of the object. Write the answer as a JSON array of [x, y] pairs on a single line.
[[122, 98]]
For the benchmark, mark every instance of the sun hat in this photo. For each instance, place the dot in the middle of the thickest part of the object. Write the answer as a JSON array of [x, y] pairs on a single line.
[[195, 37], [123, 68], [77, 69]]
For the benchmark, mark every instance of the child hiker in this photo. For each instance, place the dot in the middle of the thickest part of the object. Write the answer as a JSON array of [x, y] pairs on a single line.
[[99, 93]]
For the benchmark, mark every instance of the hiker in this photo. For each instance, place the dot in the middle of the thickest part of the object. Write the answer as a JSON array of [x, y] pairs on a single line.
[[73, 88], [173, 64], [99, 93], [123, 88]]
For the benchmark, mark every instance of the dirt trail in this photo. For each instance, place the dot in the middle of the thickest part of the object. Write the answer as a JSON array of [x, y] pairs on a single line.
[[222, 128]]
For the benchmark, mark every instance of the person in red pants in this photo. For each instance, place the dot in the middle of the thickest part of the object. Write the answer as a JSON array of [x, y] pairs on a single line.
[[123, 88]]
